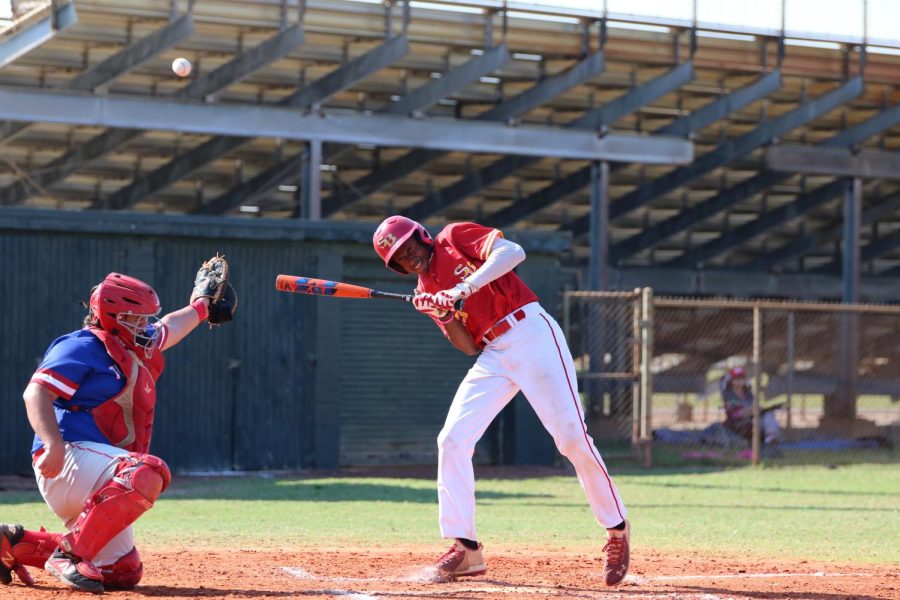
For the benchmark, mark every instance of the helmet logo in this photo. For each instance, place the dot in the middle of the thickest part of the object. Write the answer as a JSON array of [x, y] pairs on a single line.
[[387, 240]]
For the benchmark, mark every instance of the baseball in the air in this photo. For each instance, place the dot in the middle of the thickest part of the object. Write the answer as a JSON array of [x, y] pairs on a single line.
[[181, 67]]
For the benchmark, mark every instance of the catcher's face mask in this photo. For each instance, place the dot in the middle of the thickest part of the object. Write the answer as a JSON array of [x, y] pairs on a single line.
[[144, 329]]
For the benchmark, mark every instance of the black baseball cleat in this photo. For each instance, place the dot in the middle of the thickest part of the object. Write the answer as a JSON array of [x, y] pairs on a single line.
[[79, 574]]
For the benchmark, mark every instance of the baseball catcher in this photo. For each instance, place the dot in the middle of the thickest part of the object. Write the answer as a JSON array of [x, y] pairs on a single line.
[[91, 403]]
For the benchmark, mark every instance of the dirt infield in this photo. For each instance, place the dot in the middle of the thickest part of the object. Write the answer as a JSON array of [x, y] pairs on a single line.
[[363, 573]]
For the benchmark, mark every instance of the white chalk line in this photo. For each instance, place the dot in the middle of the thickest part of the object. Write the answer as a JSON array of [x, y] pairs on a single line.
[[492, 588], [754, 576]]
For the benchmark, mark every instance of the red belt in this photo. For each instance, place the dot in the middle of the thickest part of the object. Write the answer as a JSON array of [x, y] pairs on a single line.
[[502, 327]]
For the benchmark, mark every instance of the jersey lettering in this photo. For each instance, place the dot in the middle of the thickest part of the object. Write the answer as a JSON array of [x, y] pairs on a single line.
[[464, 270]]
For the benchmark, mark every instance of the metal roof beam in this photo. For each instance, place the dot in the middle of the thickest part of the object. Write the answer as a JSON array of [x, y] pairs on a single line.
[[683, 126], [538, 94], [879, 209], [725, 153], [450, 82], [742, 283], [635, 98], [106, 142], [877, 164], [248, 192], [766, 179], [877, 247], [595, 118], [254, 120], [119, 63], [24, 41], [217, 147], [733, 149], [380, 57], [746, 232]]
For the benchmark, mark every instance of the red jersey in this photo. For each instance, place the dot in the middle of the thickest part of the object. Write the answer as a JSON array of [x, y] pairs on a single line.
[[459, 250]]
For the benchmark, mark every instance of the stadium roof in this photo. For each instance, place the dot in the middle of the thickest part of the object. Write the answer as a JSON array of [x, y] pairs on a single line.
[[448, 115]]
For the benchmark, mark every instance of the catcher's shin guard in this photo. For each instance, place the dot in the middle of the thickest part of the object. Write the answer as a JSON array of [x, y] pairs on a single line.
[[123, 574], [138, 482], [20, 548]]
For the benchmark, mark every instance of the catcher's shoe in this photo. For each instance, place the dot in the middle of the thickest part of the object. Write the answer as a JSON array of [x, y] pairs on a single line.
[[79, 574], [10, 535], [459, 561], [618, 555]]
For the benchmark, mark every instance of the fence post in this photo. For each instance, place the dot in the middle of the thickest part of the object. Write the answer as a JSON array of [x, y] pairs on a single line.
[[757, 343], [636, 357], [790, 369], [646, 374]]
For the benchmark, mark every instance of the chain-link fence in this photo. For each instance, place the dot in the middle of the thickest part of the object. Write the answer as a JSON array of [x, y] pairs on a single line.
[[717, 381], [605, 333]]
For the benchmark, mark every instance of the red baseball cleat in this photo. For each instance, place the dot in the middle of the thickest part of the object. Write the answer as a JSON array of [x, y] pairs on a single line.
[[618, 555], [459, 561], [79, 574]]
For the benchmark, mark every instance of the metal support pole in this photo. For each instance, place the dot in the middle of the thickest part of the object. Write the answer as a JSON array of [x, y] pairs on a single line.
[[311, 198], [636, 383], [790, 368], [851, 251], [757, 378], [406, 16], [646, 375], [599, 228]]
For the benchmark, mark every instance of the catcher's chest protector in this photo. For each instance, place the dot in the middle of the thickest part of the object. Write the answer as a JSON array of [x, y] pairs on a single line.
[[127, 419]]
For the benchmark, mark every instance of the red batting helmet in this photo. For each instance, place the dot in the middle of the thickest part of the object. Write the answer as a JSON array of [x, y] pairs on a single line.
[[392, 233], [736, 373], [119, 296]]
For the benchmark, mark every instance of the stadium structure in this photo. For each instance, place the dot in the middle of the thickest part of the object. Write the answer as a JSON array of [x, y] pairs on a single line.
[[691, 160]]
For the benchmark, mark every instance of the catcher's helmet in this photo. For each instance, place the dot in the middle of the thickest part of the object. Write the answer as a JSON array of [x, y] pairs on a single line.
[[119, 296], [392, 233]]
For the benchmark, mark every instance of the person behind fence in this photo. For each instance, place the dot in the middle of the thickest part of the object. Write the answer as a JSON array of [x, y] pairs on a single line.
[[91, 404], [737, 397]]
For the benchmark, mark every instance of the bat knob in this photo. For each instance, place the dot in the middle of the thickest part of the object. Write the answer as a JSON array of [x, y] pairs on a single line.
[[459, 304]]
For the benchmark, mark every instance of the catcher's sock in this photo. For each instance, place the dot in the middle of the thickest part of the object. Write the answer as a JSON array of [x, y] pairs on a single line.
[[468, 543], [619, 527]]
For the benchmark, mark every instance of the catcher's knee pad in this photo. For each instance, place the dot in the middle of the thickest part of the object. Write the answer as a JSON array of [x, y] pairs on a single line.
[[138, 482], [125, 573]]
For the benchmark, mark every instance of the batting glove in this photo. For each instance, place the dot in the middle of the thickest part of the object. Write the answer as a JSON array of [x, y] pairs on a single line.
[[425, 304], [448, 298]]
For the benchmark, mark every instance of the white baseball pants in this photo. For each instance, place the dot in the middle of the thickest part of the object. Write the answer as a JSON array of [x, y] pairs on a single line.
[[532, 357], [88, 465]]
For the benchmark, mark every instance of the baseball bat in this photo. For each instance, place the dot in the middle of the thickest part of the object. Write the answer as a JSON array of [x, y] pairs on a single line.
[[297, 284]]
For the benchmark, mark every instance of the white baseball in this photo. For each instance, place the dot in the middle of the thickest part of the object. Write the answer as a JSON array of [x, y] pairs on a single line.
[[181, 67]]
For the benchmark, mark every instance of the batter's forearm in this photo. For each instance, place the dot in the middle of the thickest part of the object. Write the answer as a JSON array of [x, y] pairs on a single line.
[[181, 322], [39, 407], [460, 338]]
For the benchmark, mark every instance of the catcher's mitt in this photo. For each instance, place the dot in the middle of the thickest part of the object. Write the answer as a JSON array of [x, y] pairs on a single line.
[[212, 282]]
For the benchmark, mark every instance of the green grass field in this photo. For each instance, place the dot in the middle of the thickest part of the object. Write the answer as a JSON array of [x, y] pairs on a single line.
[[848, 513]]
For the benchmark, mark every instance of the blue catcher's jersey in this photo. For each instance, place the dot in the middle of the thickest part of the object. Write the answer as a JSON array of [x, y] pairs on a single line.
[[77, 368]]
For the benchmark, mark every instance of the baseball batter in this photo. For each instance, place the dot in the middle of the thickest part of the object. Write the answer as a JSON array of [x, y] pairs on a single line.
[[90, 403], [521, 348]]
